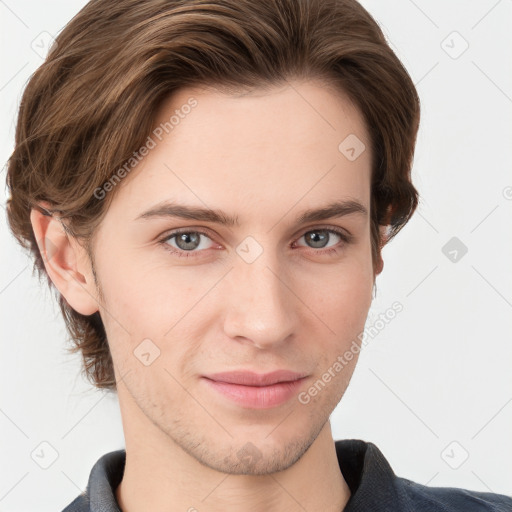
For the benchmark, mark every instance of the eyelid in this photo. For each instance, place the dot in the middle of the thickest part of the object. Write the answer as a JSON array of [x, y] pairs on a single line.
[[338, 229], [179, 231], [210, 234]]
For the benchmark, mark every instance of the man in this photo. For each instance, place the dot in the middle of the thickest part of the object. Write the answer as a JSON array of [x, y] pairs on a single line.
[[208, 185]]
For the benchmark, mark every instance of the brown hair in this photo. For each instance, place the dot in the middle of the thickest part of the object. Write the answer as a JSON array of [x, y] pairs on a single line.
[[93, 101]]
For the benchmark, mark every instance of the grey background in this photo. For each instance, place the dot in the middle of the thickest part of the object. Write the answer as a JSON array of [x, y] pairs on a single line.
[[433, 390]]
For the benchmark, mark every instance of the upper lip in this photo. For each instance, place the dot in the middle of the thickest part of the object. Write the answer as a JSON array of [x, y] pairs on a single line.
[[248, 378]]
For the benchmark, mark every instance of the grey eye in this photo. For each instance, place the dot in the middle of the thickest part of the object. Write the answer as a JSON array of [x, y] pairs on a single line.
[[317, 238], [188, 241]]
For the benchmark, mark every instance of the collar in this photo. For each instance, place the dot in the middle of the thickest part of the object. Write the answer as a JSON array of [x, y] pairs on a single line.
[[370, 478]]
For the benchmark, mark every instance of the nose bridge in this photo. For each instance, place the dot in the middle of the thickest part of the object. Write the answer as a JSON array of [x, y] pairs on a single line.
[[261, 306]]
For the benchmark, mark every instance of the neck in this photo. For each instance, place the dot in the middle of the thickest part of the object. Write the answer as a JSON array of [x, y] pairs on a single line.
[[160, 476]]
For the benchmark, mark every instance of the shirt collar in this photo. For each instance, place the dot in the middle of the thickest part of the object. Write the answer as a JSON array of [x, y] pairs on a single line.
[[370, 478]]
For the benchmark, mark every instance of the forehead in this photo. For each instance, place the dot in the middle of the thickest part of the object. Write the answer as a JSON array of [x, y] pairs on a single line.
[[247, 153]]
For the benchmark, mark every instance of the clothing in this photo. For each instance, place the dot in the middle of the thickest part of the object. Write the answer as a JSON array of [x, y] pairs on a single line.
[[373, 485]]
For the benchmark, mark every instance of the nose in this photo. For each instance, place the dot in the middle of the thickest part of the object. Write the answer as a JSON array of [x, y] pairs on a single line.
[[261, 308]]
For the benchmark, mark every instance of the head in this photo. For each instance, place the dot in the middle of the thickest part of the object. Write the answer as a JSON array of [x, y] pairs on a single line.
[[255, 111]]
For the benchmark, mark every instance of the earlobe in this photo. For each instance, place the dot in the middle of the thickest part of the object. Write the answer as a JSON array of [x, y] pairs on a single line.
[[383, 240], [380, 265], [66, 262]]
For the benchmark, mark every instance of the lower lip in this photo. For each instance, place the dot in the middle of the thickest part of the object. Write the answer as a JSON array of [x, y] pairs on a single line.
[[257, 397]]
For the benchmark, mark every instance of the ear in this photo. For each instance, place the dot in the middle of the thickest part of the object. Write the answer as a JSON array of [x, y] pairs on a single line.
[[66, 262], [384, 239]]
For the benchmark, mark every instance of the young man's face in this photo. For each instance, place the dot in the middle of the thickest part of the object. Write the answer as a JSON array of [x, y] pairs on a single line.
[[269, 293]]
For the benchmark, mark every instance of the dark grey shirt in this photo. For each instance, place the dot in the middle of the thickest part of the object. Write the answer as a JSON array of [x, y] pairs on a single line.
[[373, 485]]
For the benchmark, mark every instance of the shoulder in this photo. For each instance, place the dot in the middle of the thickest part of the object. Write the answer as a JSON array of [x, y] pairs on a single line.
[[374, 486], [80, 504], [451, 499], [105, 476]]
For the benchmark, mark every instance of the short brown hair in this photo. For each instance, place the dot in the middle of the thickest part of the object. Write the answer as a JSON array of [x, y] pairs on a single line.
[[93, 101]]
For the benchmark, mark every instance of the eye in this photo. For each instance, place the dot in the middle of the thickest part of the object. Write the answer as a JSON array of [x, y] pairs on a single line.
[[186, 243], [318, 239]]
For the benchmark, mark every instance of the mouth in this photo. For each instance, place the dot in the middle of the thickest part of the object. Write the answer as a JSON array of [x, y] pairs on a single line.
[[256, 391], [249, 378]]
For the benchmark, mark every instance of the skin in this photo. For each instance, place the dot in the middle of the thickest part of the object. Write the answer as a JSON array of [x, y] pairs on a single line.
[[265, 157]]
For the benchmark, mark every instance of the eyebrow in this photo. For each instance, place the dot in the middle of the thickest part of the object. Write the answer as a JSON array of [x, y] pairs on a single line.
[[335, 209]]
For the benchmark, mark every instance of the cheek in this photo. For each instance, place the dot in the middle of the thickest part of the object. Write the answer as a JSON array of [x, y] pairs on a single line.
[[148, 300], [341, 297], [139, 288], [342, 305]]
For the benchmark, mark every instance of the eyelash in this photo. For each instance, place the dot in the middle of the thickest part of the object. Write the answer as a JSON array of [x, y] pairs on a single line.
[[346, 238]]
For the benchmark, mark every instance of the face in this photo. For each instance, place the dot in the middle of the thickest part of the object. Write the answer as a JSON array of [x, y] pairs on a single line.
[[269, 291]]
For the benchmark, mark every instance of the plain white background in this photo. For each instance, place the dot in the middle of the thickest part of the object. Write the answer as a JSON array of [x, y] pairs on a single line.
[[433, 390]]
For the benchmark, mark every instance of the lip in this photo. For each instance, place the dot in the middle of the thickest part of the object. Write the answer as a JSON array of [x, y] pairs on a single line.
[[249, 378], [256, 391]]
